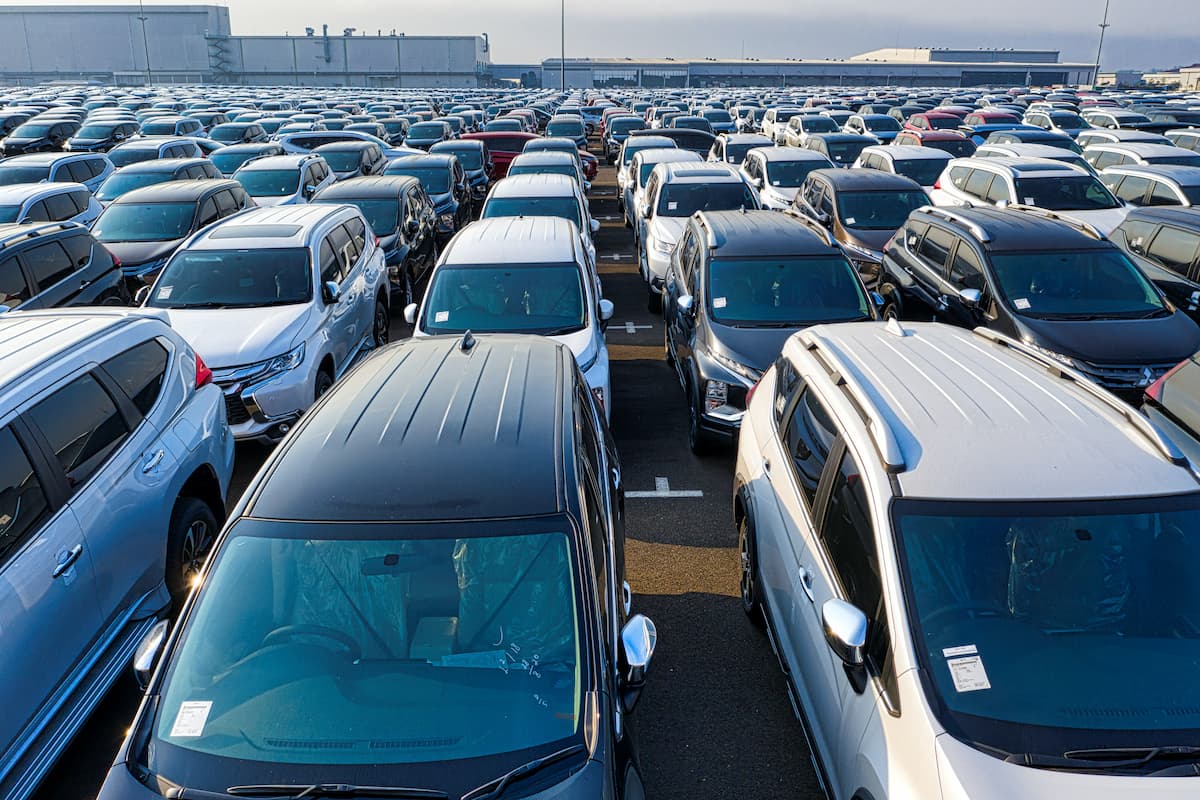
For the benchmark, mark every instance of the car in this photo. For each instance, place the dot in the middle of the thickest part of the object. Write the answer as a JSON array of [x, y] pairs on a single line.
[[1163, 242], [1154, 185], [55, 264], [424, 134], [555, 292], [777, 173], [731, 148], [616, 131], [47, 202], [281, 301], [172, 126], [1042, 278], [39, 135], [143, 227], [231, 157], [624, 161], [1119, 118], [544, 195], [1102, 156], [1170, 404], [933, 121], [1021, 136], [691, 122], [1051, 185], [840, 148], [134, 151], [1187, 138], [775, 121], [801, 126], [446, 184], [674, 192], [587, 162], [401, 215], [87, 168], [231, 133], [720, 120], [483, 557], [861, 209], [738, 285], [904, 586], [922, 164], [881, 126], [1064, 121], [352, 159], [950, 141], [301, 142], [569, 126], [98, 137], [284, 180], [698, 141], [148, 173], [502, 146], [977, 126], [475, 160], [120, 463], [1092, 136]]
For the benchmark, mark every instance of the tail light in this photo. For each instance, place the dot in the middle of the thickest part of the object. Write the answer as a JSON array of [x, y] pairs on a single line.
[[937, 184], [204, 375], [1155, 390]]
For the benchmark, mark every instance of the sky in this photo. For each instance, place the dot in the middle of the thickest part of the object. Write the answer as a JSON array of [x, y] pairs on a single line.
[[1145, 34]]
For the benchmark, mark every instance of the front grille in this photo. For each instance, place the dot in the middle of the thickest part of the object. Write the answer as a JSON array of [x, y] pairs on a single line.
[[1133, 376], [235, 410]]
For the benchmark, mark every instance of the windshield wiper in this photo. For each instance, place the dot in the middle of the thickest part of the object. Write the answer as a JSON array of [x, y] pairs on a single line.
[[1105, 757], [333, 790], [497, 786]]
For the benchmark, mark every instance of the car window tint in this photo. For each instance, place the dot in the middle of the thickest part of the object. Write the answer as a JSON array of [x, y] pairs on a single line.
[[966, 271], [208, 212], [960, 176], [37, 213], [79, 248], [1174, 248], [60, 207], [78, 171], [225, 203], [81, 200], [809, 437], [331, 265], [787, 383], [935, 248], [13, 288], [358, 235], [47, 264], [998, 192], [95, 166], [22, 500], [140, 372], [978, 183], [1132, 189], [1161, 194], [82, 425]]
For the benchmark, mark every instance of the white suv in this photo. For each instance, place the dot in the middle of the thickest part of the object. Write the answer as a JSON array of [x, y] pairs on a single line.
[[975, 566], [279, 301]]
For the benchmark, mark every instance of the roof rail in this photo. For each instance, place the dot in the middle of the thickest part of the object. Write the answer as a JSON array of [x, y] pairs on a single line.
[[971, 225], [812, 225], [1083, 227], [886, 444], [1142, 425]]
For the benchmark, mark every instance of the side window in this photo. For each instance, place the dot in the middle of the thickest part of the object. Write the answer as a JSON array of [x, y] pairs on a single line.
[[959, 176], [79, 248], [82, 425], [1132, 189], [826, 204], [81, 200], [1137, 233], [331, 266], [60, 207], [978, 184], [1162, 194], [590, 472], [1107, 159], [849, 541], [226, 204], [208, 212], [787, 383], [38, 212], [47, 264], [1174, 248], [78, 171], [14, 290], [95, 166], [358, 235], [686, 250], [935, 248], [23, 503], [809, 437], [998, 191], [966, 271], [140, 372]]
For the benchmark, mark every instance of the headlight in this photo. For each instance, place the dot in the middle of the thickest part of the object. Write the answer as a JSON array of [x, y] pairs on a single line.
[[1067, 361], [446, 219], [736, 367], [862, 254], [150, 266], [288, 361], [716, 393], [662, 247]]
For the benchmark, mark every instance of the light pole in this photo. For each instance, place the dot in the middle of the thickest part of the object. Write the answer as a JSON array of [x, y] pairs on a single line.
[[562, 58], [145, 42], [1103, 27]]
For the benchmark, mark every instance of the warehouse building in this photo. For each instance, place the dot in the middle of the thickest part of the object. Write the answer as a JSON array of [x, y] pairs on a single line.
[[195, 44]]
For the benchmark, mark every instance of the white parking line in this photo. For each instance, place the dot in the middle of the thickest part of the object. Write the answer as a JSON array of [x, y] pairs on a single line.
[[632, 328], [618, 256], [662, 489]]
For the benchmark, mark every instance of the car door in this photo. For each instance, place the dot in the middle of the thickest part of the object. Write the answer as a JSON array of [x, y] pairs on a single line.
[[966, 274], [47, 587], [341, 318], [49, 269], [675, 286], [362, 275]]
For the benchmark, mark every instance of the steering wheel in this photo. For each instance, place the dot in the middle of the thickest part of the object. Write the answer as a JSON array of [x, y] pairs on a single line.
[[286, 632], [970, 609]]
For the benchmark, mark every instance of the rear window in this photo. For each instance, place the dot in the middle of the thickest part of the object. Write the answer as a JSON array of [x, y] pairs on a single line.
[[506, 144]]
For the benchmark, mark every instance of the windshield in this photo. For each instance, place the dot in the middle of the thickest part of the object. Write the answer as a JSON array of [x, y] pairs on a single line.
[[427, 130], [621, 126], [234, 279], [469, 158], [1065, 284], [716, 115], [21, 174], [1074, 193], [9, 213], [228, 163], [343, 160], [736, 153], [880, 124], [95, 132], [565, 128], [1068, 120], [436, 180], [545, 299], [821, 124], [785, 291], [269, 182], [144, 222], [878, 211], [116, 185], [319, 645], [845, 152], [158, 128], [562, 207], [30, 131], [544, 169], [924, 171], [132, 155], [943, 123], [685, 199], [959, 148], [228, 133], [1031, 618]]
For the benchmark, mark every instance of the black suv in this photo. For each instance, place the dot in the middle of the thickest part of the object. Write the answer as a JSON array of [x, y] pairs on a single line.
[[39, 136], [1165, 243], [1044, 279], [48, 265], [738, 285], [409, 615]]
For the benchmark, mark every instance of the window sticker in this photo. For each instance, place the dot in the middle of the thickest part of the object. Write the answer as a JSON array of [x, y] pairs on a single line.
[[192, 716], [1021, 303], [968, 674], [719, 302], [955, 652], [672, 206], [850, 220], [441, 316], [1029, 201]]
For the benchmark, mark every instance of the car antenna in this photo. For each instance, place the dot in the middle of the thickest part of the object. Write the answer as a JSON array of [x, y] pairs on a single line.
[[468, 341]]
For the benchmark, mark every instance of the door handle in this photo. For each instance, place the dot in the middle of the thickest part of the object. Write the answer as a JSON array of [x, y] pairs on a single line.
[[153, 461], [66, 561], [806, 583], [766, 464]]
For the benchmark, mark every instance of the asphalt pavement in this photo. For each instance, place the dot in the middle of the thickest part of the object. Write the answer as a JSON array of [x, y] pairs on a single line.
[[714, 720]]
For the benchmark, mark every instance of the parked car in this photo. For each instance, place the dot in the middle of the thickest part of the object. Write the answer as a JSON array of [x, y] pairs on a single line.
[[777, 173], [922, 164], [549, 163], [624, 164], [502, 146], [119, 461], [1043, 279], [87, 168], [1019, 136], [842, 149], [569, 126], [731, 148], [1187, 138], [906, 587], [801, 126], [231, 133], [424, 134], [230, 158], [1064, 121], [1092, 136], [38, 136], [352, 159], [144, 227], [950, 141], [1022, 150], [544, 195], [739, 283], [172, 126], [148, 173], [1154, 185], [134, 151], [98, 137], [446, 184], [401, 215], [616, 132], [1103, 156], [281, 301], [47, 202], [284, 180], [1164, 242], [880, 126], [475, 160]]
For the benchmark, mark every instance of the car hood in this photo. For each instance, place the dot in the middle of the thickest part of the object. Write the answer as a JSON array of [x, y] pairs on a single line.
[[787, 192], [264, 202], [350, 173], [1104, 220], [234, 337], [667, 229], [132, 254], [869, 240], [757, 348], [423, 144], [1168, 340]]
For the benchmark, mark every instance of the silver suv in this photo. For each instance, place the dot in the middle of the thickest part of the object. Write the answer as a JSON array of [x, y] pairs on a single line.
[[975, 566]]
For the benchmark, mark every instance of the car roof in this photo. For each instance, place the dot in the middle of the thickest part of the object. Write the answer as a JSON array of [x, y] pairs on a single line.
[[697, 172], [1030, 150], [176, 191], [535, 185], [745, 138], [289, 226], [517, 240], [866, 179], [426, 409], [349, 144], [908, 151], [368, 186], [1179, 215], [1011, 230], [661, 155], [1021, 167], [20, 192], [425, 160], [249, 147], [771, 153], [544, 157], [761, 233], [287, 161], [1180, 173], [929, 387], [1144, 149], [164, 164], [45, 158]]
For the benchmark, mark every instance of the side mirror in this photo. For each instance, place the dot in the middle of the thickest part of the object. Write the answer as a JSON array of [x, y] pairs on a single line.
[[606, 309], [330, 292], [757, 183], [970, 297], [845, 632], [410, 313], [309, 190], [686, 303], [822, 218], [142, 295], [1003, 204], [595, 226], [145, 658], [412, 227], [638, 640], [877, 299], [644, 210]]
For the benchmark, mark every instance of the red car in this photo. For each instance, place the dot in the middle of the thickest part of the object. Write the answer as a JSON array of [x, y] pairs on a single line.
[[952, 142], [933, 121], [504, 147]]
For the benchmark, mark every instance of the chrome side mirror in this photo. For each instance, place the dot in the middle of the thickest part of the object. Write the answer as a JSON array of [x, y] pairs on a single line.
[[142, 295], [595, 226], [845, 632], [606, 309], [685, 302], [410, 313], [331, 292], [145, 658], [970, 297], [639, 637]]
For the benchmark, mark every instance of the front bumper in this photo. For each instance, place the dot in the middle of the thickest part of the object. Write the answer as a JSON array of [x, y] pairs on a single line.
[[264, 408]]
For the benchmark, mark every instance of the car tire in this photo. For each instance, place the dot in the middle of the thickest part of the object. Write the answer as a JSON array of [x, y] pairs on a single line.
[[749, 578], [382, 322], [700, 442], [323, 384], [190, 538], [654, 301], [891, 307]]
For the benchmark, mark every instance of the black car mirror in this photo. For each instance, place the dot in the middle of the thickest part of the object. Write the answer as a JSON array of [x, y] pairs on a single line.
[[330, 292]]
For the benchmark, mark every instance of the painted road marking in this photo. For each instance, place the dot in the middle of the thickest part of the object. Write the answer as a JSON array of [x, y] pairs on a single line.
[[662, 489], [618, 256], [631, 328]]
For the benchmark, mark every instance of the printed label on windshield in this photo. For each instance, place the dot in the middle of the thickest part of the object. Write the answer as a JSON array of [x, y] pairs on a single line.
[[441, 316], [1021, 303], [955, 652], [672, 206], [190, 720], [165, 292], [719, 302], [968, 674]]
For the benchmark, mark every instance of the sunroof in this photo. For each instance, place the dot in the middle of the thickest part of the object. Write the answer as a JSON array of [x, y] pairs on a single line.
[[255, 232]]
